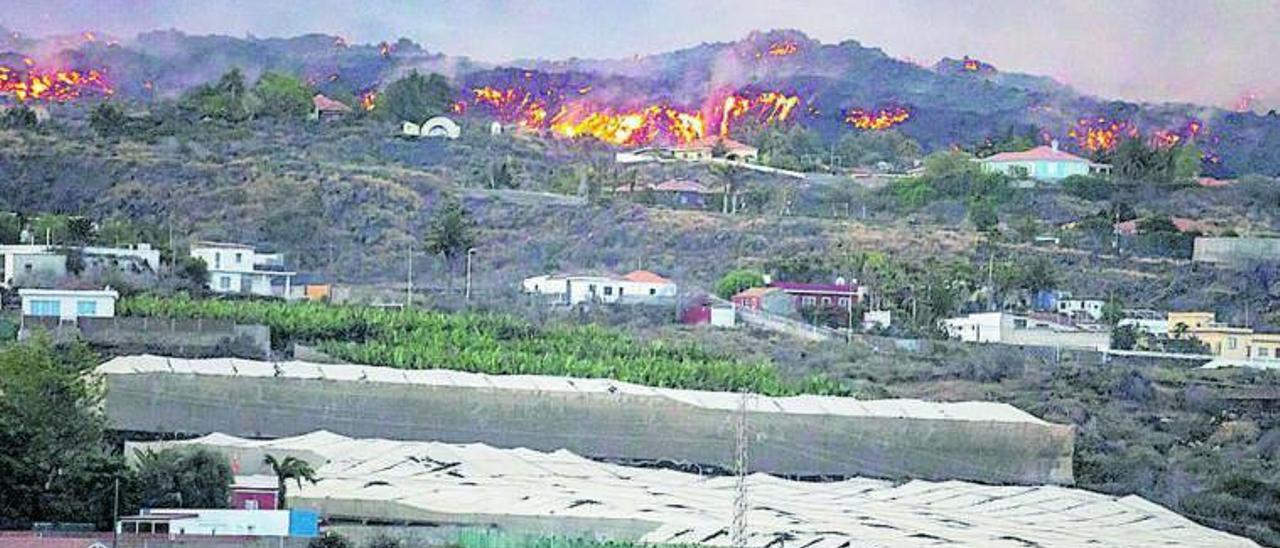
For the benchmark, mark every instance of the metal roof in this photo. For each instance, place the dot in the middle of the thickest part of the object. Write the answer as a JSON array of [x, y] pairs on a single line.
[[807, 404], [481, 485]]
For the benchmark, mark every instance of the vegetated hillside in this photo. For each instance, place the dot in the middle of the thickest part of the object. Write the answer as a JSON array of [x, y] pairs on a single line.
[[947, 106], [351, 201]]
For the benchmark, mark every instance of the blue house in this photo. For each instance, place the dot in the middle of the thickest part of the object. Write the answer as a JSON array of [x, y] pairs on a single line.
[[1043, 163]]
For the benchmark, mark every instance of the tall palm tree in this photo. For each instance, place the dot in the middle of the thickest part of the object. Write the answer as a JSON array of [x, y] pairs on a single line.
[[289, 468]]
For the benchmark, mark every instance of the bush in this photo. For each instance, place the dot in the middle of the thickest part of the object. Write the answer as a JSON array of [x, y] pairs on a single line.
[[330, 539], [1095, 189], [736, 281], [385, 541]]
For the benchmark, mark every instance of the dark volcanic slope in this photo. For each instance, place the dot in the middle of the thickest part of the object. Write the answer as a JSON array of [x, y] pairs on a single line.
[[949, 105]]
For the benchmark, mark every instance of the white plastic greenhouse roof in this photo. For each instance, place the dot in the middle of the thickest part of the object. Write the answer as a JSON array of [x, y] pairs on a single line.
[[806, 405], [485, 486]]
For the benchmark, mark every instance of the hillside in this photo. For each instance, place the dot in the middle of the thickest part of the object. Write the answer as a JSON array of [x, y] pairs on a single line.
[[946, 106]]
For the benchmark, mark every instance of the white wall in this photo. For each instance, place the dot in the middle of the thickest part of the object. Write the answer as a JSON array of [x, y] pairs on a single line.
[[225, 259], [579, 289], [609, 290], [274, 523], [984, 327], [104, 303]]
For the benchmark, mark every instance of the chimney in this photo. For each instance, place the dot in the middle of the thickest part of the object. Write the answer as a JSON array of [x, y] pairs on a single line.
[[1054, 144]]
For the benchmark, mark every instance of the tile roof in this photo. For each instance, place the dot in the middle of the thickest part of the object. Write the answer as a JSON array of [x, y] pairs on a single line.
[[815, 288], [1040, 153], [644, 276], [755, 292], [325, 104]]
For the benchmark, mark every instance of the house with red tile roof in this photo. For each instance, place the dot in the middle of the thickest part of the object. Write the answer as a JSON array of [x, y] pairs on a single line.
[[324, 108], [636, 287], [1043, 163], [767, 299]]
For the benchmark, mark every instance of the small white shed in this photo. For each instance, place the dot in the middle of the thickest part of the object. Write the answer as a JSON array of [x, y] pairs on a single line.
[[68, 304]]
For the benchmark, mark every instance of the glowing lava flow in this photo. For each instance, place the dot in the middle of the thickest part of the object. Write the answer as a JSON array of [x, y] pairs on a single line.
[[781, 48], [877, 120], [369, 99], [32, 83], [630, 125], [971, 64], [1172, 137], [1101, 134]]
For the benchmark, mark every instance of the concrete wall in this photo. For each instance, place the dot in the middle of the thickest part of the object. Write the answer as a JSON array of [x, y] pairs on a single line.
[[601, 425], [1236, 250], [189, 338]]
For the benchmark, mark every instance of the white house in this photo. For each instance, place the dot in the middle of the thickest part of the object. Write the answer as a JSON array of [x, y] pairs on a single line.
[[638, 287], [237, 268], [178, 522], [35, 261], [439, 126], [1091, 308], [1043, 163], [1006, 328], [68, 304]]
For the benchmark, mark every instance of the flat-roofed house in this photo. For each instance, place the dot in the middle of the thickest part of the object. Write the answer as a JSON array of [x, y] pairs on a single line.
[[238, 268]]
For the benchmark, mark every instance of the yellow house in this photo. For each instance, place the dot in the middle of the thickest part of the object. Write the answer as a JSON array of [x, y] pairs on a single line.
[[1193, 320], [1265, 346], [1225, 341]]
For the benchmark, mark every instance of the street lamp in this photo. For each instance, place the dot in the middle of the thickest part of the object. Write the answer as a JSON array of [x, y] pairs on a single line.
[[470, 252]]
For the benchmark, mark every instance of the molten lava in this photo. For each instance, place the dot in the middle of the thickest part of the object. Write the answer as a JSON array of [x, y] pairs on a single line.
[[971, 64], [32, 83], [781, 48], [369, 99], [1101, 134], [877, 120], [1169, 138], [630, 125]]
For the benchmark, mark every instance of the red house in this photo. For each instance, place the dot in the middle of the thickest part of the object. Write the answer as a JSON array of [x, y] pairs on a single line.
[[255, 493], [803, 295]]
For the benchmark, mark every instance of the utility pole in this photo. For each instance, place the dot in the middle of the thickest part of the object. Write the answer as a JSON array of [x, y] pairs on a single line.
[[115, 519], [408, 293], [467, 294], [738, 529]]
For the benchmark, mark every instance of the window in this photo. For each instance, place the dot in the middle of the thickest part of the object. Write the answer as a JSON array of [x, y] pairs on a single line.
[[224, 282], [86, 308], [809, 300], [251, 504], [47, 308], [1231, 343], [591, 289], [130, 527], [217, 259], [653, 291], [239, 258], [844, 301], [1020, 323], [608, 290], [162, 528], [146, 527]]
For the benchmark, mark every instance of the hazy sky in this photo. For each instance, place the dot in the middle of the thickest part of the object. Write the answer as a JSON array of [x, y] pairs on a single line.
[[1202, 51]]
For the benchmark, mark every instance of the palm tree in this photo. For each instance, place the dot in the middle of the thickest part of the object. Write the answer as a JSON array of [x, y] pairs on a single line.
[[287, 469]]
